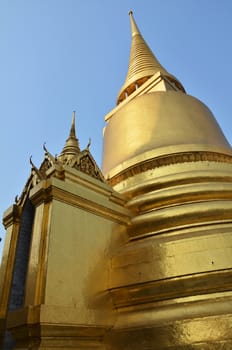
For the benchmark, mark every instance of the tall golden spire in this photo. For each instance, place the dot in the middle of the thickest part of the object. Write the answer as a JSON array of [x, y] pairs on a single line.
[[71, 146], [142, 64]]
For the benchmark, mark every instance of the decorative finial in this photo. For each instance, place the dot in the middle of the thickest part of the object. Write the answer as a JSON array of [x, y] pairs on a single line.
[[38, 173], [48, 154], [130, 13], [142, 64], [44, 147], [73, 129], [71, 147], [89, 143], [31, 161], [134, 28]]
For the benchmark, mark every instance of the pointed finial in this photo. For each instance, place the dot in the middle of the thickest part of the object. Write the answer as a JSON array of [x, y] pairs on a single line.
[[73, 128], [142, 64], [71, 147], [134, 28]]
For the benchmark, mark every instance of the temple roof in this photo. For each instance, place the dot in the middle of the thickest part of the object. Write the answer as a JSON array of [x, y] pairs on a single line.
[[71, 158], [142, 64]]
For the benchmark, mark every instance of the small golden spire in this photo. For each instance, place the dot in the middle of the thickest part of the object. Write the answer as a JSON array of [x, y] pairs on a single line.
[[73, 129], [71, 146], [142, 64], [134, 28]]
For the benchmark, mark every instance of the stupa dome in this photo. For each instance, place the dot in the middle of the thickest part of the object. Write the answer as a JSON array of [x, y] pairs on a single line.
[[160, 123]]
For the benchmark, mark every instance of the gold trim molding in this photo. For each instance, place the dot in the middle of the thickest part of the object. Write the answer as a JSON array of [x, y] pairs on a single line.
[[185, 157], [183, 286]]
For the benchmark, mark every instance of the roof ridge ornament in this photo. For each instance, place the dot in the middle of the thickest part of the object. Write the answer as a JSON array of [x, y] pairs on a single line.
[[48, 154], [36, 170]]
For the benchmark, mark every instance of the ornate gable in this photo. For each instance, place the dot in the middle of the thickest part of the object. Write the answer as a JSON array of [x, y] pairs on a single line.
[[86, 164]]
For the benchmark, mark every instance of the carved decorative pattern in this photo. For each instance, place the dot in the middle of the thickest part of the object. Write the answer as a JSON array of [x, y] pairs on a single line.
[[87, 166], [168, 160]]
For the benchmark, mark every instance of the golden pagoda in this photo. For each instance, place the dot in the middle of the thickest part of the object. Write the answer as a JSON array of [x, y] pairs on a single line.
[[138, 255], [171, 282]]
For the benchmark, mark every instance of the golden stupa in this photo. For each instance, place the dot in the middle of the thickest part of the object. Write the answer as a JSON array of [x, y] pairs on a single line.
[[139, 258]]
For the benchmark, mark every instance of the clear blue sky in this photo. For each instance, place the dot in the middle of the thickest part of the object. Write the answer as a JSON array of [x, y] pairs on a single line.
[[63, 55]]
